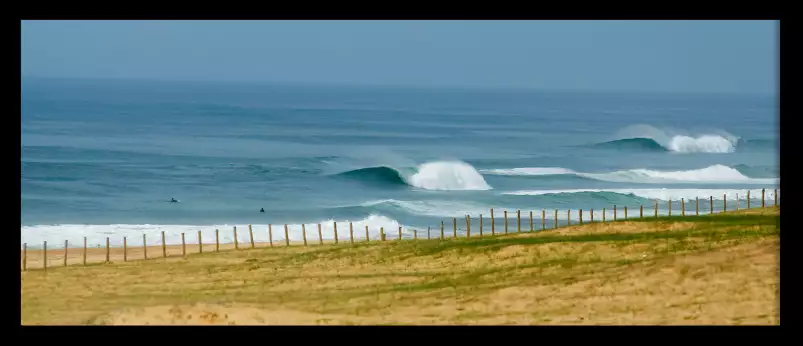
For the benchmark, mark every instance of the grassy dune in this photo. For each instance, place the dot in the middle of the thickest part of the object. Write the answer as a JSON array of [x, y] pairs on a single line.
[[718, 269]]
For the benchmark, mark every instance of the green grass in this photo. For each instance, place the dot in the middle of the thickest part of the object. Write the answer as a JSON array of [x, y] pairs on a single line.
[[464, 280]]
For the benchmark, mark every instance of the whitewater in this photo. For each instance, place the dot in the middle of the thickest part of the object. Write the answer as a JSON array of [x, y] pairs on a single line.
[[665, 194], [715, 174], [720, 142], [96, 234]]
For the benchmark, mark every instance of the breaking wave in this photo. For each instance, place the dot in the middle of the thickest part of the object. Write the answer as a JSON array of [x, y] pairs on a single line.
[[438, 175], [644, 137]]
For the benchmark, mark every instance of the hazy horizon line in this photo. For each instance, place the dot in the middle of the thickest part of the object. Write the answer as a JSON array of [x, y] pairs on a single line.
[[395, 86]]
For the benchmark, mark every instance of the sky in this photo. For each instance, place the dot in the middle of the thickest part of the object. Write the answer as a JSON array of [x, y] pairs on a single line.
[[670, 56]]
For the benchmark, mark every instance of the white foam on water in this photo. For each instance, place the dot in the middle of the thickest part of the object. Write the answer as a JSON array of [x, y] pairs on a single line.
[[718, 142], [529, 171], [96, 235], [433, 208], [701, 144], [715, 174], [447, 175], [664, 194]]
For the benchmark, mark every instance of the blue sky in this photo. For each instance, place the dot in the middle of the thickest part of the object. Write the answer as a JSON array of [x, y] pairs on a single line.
[[676, 56]]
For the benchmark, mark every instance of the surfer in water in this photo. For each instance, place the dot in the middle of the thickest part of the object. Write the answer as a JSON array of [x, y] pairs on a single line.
[[173, 200], [261, 210]]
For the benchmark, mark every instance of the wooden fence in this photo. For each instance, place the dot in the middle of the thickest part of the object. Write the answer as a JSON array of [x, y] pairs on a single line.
[[43, 259]]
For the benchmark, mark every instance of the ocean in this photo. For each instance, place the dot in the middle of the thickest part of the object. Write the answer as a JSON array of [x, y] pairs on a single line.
[[104, 158]]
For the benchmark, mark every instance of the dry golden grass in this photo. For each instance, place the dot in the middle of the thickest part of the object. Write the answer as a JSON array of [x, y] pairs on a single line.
[[720, 269]]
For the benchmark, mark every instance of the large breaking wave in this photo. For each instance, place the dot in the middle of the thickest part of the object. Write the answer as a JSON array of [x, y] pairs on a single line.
[[438, 175], [644, 137]]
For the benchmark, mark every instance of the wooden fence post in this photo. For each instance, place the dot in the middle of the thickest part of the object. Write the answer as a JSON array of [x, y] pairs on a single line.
[[641, 211], [183, 246], [320, 235], [144, 247], [108, 249], [711, 204], [682, 207], [670, 207], [25, 257], [468, 226], [748, 199], [592, 215], [480, 225], [236, 242], [382, 233], [270, 235], [581, 216], [400, 231], [454, 227], [65, 252], [493, 226], [164, 246], [367, 237], [656, 208], [335, 226], [304, 233], [776, 197], [543, 219], [603, 215], [737, 202], [286, 236], [428, 233], [531, 221], [696, 206], [415, 234], [505, 221], [614, 212], [44, 256], [351, 233], [625, 207], [442, 236], [724, 203], [84, 251], [251, 235], [568, 217], [217, 240], [762, 198], [556, 219], [518, 221], [200, 243], [125, 251]]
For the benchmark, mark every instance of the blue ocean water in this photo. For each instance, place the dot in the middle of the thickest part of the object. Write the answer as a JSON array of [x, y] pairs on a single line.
[[103, 158]]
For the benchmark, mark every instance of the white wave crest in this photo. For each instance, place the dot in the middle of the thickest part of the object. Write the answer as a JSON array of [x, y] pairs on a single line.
[[702, 144], [721, 142], [447, 175], [664, 194], [35, 235], [716, 174]]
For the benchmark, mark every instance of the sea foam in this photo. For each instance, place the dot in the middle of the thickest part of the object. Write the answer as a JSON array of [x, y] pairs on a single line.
[[719, 142], [35, 235], [662, 194], [715, 174]]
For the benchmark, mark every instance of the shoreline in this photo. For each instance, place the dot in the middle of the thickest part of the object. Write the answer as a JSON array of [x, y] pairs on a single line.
[[33, 257]]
